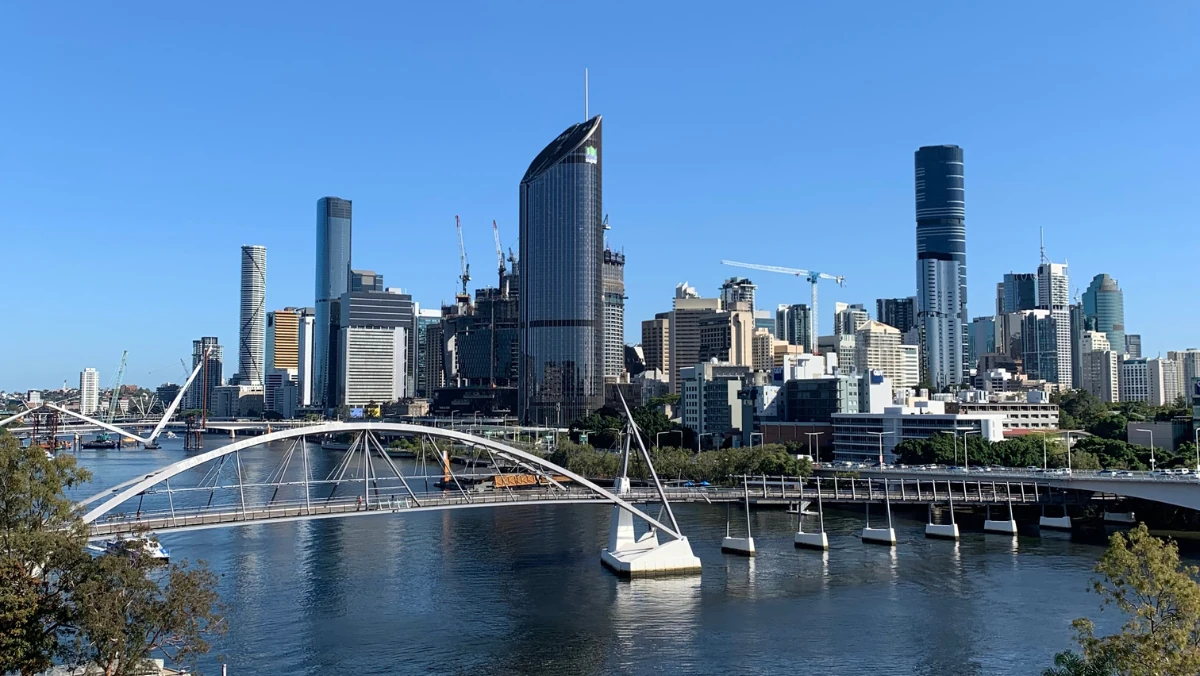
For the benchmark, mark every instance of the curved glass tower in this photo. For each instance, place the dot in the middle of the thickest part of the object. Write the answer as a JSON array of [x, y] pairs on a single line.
[[333, 279], [562, 302], [942, 262], [1104, 306], [252, 333]]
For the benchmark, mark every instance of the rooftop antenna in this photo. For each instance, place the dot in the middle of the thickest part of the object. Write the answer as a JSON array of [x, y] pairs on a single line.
[[1042, 244], [585, 95]]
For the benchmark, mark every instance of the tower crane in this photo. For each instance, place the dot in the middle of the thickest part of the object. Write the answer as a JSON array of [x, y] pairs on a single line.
[[499, 249], [812, 277], [462, 259], [116, 390]]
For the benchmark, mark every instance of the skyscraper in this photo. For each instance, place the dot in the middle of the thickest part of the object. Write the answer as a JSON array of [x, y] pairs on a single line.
[[1104, 306], [1054, 295], [656, 342], [942, 262], [792, 323], [1133, 345], [89, 391], [614, 314], [428, 361], [252, 324], [1018, 292], [373, 339], [847, 318], [562, 302], [202, 392], [334, 216], [899, 313], [738, 290], [283, 355]]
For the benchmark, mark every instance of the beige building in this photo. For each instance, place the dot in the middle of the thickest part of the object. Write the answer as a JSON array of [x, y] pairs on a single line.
[[764, 350], [656, 342], [689, 311], [780, 351], [727, 337], [1098, 366], [879, 347]]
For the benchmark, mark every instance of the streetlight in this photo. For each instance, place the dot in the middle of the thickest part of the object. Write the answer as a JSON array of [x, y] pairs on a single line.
[[760, 440], [706, 434], [810, 436], [880, 435], [1068, 433], [966, 462], [452, 419], [1151, 433], [954, 433], [679, 432]]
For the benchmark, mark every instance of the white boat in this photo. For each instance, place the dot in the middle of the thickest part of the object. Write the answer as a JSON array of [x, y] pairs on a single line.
[[134, 547], [171, 435]]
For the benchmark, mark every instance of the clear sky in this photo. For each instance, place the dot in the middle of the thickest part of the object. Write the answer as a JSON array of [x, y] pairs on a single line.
[[143, 142]]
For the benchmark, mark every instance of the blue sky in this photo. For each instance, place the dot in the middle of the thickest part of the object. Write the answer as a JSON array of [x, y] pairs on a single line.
[[144, 142]]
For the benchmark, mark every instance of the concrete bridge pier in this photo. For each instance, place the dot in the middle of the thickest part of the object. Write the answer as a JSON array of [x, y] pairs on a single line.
[[1000, 527], [817, 540], [880, 536], [942, 531], [1055, 522], [743, 546]]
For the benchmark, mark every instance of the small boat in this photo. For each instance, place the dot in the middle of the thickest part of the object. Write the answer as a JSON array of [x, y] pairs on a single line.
[[171, 435], [101, 441], [136, 547]]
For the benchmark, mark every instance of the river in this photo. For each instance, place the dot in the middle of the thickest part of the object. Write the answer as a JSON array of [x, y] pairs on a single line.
[[520, 590]]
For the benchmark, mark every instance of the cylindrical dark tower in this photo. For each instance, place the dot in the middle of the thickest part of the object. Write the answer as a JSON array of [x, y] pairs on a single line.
[[333, 279], [562, 302], [942, 256]]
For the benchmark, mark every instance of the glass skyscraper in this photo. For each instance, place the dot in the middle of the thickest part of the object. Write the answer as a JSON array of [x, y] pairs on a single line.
[[1104, 307], [562, 305], [942, 262], [251, 346], [333, 280]]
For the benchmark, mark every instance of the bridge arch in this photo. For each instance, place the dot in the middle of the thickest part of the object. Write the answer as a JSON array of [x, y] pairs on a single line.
[[138, 486]]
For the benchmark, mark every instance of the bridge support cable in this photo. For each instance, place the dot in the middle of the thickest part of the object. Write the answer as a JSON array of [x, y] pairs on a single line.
[[237, 456], [396, 470], [633, 428], [492, 458], [448, 468], [278, 475]]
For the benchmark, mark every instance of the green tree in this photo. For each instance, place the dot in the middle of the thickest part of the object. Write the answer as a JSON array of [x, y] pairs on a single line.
[[1142, 577], [1071, 663]]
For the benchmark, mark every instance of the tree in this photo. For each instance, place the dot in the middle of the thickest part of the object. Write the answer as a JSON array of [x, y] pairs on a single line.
[[1141, 576], [1071, 663]]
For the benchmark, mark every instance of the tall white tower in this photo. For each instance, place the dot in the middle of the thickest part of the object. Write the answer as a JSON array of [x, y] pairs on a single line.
[[89, 391], [252, 329], [1054, 294]]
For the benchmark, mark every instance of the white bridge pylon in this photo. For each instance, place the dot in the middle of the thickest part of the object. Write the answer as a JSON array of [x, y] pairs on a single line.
[[106, 511]]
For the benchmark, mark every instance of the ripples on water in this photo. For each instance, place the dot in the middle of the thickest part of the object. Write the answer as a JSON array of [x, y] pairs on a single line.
[[520, 590]]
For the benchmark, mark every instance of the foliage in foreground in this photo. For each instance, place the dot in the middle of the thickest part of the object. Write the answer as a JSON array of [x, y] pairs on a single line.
[[1142, 577], [60, 604]]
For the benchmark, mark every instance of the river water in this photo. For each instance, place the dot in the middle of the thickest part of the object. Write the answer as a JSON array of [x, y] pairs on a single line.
[[520, 590]]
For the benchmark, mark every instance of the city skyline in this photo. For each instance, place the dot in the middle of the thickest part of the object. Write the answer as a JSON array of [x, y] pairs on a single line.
[[1080, 190]]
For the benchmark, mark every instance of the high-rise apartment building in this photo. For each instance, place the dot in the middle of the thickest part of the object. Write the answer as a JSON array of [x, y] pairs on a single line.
[[614, 314], [1135, 379], [89, 391], [305, 336], [282, 356], [1104, 307], [688, 313], [737, 290], [1189, 368], [656, 342], [373, 338], [942, 262], [848, 318], [1054, 295], [793, 324], [202, 393], [1017, 292], [562, 300], [900, 313], [334, 219], [1079, 324], [877, 347], [252, 329], [763, 350], [1133, 345], [429, 351], [1039, 345], [1101, 374], [1166, 381]]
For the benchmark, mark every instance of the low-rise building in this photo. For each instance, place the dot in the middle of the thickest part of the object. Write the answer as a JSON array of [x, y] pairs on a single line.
[[709, 399], [859, 437], [1018, 415]]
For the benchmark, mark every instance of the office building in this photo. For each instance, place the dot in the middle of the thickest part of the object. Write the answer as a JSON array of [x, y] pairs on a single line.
[[614, 314], [983, 335], [858, 437], [366, 280], [428, 373], [709, 400], [252, 329], [305, 336], [1018, 415], [1039, 345], [688, 313], [763, 319], [562, 249], [1017, 292], [1101, 375], [89, 391], [942, 262], [847, 318], [1079, 324], [1133, 345], [1135, 379], [737, 290], [334, 226], [203, 389], [656, 342], [1165, 380], [793, 324], [1054, 296], [1189, 369], [910, 366], [482, 342], [727, 337], [282, 353], [900, 313], [1104, 307], [812, 400], [373, 339]]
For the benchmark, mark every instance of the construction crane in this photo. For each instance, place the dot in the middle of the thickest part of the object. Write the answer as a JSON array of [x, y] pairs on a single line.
[[812, 277], [462, 260], [499, 249], [116, 390]]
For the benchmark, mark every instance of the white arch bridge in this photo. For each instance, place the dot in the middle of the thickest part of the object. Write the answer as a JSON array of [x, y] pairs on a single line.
[[215, 489]]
